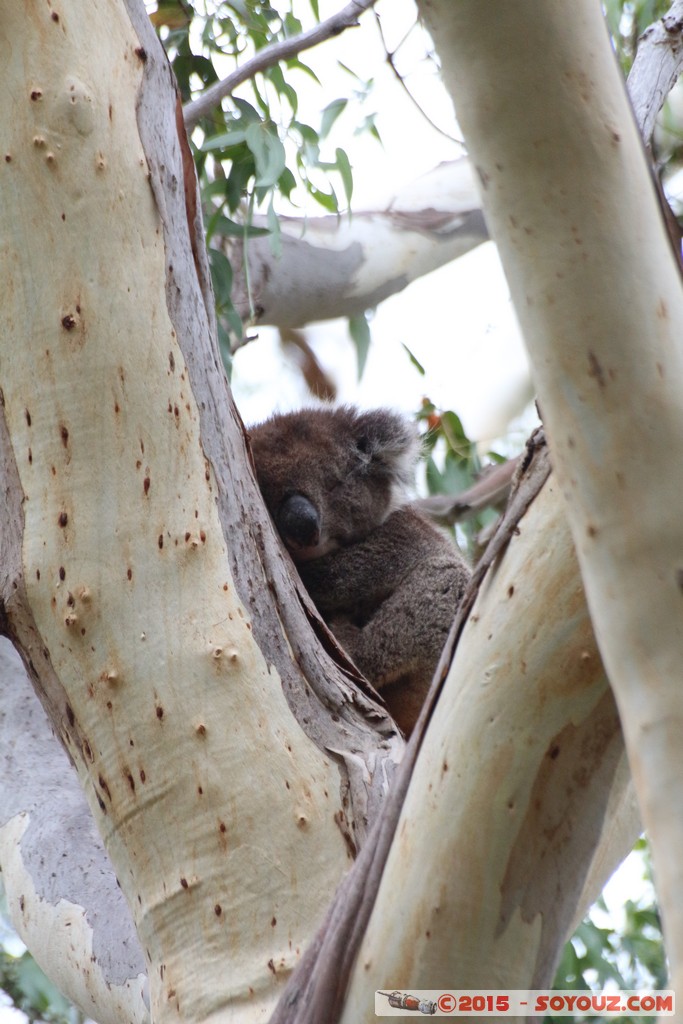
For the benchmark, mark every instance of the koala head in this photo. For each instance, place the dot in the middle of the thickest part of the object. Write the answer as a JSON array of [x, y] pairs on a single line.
[[329, 476]]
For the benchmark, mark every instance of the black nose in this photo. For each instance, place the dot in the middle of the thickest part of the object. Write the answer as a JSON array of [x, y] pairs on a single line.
[[298, 523]]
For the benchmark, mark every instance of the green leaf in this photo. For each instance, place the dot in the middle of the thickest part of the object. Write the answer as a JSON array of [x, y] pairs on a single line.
[[330, 115], [454, 432], [368, 125], [269, 154], [291, 25], [227, 140], [248, 113], [308, 134], [282, 87], [327, 200], [274, 226], [359, 329], [219, 224], [221, 275], [286, 183], [416, 363], [295, 63], [316, 10], [344, 168], [457, 475]]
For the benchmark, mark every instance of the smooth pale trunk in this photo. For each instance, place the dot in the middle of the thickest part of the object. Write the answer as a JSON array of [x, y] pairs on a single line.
[[570, 201]]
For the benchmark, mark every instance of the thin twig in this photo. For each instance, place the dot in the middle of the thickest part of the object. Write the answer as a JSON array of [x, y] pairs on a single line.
[[390, 61], [270, 55]]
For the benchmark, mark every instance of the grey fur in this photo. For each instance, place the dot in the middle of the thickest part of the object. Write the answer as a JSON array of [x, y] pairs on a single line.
[[385, 580]]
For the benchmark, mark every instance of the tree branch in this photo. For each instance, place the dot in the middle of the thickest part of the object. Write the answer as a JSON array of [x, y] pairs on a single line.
[[270, 55], [658, 63]]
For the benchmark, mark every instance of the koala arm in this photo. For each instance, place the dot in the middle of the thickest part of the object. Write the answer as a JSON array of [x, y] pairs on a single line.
[[390, 600], [360, 575]]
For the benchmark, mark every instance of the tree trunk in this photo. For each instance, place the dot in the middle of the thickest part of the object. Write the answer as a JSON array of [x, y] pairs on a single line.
[[571, 203], [227, 761]]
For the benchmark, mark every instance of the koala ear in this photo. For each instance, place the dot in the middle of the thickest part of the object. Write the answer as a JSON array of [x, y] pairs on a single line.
[[386, 443]]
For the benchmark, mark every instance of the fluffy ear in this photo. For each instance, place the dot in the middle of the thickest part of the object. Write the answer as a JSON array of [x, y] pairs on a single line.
[[387, 444]]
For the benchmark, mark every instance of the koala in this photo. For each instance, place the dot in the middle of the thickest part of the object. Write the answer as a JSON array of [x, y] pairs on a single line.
[[386, 581]]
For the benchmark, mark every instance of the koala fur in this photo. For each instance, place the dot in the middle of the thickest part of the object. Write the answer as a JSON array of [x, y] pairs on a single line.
[[385, 580]]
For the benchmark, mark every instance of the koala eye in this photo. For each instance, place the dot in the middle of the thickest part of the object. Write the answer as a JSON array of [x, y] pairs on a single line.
[[363, 445]]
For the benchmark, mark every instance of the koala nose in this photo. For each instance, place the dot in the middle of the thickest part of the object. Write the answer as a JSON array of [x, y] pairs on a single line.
[[298, 523]]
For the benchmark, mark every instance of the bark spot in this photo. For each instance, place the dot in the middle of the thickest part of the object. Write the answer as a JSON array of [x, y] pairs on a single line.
[[218, 910], [68, 322], [36, 94], [141, 53], [160, 541], [484, 178], [62, 573], [596, 371], [183, 882], [171, 361], [8, 158], [70, 717], [146, 485], [64, 434], [63, 519]]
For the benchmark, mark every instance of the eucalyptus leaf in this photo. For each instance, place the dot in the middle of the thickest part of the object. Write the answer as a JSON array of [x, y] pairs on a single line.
[[269, 154], [330, 115], [359, 329]]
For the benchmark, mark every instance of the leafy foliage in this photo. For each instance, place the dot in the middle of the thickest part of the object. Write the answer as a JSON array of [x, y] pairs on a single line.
[[30, 991], [628, 957], [453, 464], [253, 150]]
